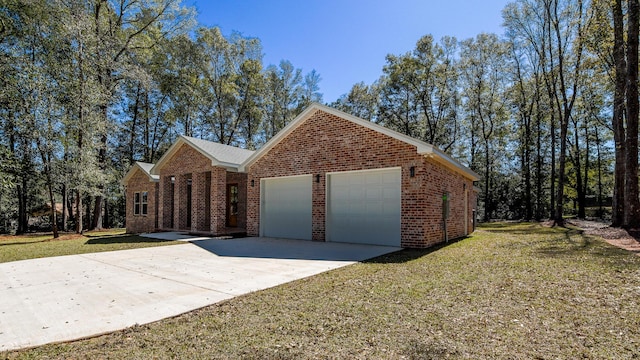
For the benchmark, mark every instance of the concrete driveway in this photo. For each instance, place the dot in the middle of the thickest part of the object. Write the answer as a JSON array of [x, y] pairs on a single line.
[[71, 297]]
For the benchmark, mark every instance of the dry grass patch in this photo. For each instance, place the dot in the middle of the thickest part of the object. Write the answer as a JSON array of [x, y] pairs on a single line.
[[512, 291], [33, 246]]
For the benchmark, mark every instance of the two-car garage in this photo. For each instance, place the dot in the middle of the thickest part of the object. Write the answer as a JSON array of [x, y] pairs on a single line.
[[361, 206]]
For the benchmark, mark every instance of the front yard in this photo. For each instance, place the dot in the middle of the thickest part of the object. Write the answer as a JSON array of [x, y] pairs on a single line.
[[13, 248], [516, 291]]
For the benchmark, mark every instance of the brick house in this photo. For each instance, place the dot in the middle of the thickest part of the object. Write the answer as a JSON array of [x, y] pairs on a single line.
[[142, 198], [200, 189], [327, 176]]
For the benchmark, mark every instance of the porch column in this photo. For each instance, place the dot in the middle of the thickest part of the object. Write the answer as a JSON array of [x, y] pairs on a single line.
[[218, 200]]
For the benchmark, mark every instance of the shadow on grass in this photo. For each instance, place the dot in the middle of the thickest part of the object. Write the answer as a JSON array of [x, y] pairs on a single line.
[[568, 242], [24, 242], [123, 239], [407, 255], [524, 228]]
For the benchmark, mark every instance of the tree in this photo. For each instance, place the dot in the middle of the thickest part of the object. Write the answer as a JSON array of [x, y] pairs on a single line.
[[419, 94], [231, 73], [483, 62], [361, 101], [282, 97], [632, 203]]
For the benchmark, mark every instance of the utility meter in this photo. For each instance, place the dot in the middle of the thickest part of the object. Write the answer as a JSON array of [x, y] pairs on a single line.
[[446, 197]]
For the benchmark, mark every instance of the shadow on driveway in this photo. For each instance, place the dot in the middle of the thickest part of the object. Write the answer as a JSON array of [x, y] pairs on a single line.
[[254, 247], [123, 239]]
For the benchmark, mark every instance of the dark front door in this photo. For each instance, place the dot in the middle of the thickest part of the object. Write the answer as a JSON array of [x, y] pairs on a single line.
[[232, 205]]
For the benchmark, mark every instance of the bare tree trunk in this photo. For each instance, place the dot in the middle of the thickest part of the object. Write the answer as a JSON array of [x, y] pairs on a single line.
[[46, 161], [52, 199], [22, 225], [79, 222], [552, 180], [632, 203], [97, 212], [65, 209], [578, 168], [88, 212], [617, 211], [582, 201], [558, 216], [99, 199], [599, 161]]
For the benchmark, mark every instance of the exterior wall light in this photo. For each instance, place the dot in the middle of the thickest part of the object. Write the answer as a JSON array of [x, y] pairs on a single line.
[[412, 171], [253, 183], [318, 178]]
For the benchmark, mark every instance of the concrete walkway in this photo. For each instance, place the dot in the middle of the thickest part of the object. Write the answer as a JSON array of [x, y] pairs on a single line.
[[71, 297]]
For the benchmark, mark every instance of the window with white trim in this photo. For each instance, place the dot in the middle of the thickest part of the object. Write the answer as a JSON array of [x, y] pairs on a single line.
[[144, 196], [140, 203], [136, 203]]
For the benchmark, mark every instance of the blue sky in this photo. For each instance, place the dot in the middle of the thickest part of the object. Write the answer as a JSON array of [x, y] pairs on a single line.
[[346, 41]]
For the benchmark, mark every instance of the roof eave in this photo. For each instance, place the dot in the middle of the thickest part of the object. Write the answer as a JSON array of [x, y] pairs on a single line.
[[449, 162], [134, 168], [421, 147]]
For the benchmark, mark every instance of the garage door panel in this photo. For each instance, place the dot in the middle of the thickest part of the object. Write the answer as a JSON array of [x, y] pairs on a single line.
[[286, 207], [364, 207]]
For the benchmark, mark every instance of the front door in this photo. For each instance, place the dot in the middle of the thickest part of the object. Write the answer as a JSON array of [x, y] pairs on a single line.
[[232, 205]]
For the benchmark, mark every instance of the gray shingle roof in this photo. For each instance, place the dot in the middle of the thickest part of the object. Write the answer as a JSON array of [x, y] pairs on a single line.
[[222, 153], [146, 167]]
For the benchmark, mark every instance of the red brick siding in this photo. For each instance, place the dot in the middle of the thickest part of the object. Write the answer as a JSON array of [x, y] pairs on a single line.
[[439, 180], [208, 192], [140, 182], [327, 143]]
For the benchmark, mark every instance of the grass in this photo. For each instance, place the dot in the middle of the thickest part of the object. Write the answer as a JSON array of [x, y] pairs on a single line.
[[511, 291], [13, 248]]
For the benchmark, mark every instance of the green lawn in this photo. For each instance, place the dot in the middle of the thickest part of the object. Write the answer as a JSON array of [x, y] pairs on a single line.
[[512, 291], [13, 248]]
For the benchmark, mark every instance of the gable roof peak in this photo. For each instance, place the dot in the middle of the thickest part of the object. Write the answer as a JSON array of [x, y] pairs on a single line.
[[422, 147], [222, 155], [144, 167]]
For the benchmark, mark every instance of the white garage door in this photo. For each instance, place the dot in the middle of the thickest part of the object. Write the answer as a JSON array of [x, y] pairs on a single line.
[[285, 207], [364, 207]]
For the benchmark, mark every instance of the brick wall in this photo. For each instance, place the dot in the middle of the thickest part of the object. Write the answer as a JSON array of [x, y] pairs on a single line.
[[208, 190], [139, 182], [327, 143]]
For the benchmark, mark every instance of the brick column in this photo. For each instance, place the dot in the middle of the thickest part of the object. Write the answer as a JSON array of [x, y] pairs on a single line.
[[318, 208], [197, 209], [179, 204], [253, 207], [218, 199]]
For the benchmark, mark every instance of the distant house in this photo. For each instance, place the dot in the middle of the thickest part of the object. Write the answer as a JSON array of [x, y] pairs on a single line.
[[327, 176]]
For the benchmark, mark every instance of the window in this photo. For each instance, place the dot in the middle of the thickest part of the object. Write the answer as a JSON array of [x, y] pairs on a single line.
[[136, 203], [144, 203], [140, 206]]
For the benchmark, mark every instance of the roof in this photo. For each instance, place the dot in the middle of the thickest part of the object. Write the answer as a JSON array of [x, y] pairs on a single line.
[[422, 148], [220, 155], [140, 166]]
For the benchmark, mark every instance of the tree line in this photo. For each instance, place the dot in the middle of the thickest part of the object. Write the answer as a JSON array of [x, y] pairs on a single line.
[[89, 87], [546, 113]]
